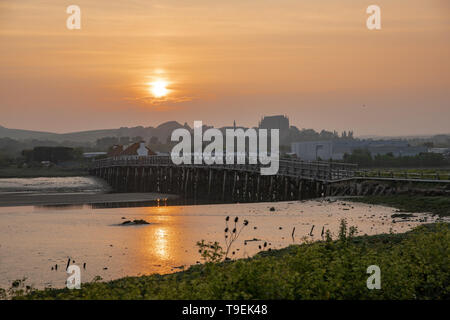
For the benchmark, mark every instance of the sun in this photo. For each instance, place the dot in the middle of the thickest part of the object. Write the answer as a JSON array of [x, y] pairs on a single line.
[[159, 88]]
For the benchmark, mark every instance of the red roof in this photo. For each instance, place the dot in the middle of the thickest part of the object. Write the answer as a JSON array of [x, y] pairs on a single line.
[[132, 150], [115, 151]]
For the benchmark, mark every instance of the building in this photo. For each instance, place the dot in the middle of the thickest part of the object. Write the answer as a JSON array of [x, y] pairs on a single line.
[[115, 151], [135, 150], [275, 122], [279, 122], [89, 155], [439, 150], [138, 149], [335, 149]]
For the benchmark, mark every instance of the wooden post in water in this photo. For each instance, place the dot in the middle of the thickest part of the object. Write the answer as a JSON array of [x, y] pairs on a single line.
[[117, 178], [170, 180], [233, 191], [300, 187], [196, 183], [136, 177], [224, 184], [126, 178], [186, 182], [245, 187], [209, 181], [285, 188], [258, 183], [271, 188]]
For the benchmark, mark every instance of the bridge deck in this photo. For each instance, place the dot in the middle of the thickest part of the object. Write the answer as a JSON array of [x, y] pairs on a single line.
[[310, 170], [313, 170]]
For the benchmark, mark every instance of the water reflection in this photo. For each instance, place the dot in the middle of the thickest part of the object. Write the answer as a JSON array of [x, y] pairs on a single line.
[[109, 205], [161, 202], [156, 243], [161, 210], [161, 243], [32, 243]]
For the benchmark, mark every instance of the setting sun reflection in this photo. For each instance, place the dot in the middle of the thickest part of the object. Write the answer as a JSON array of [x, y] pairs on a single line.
[[160, 210], [161, 243]]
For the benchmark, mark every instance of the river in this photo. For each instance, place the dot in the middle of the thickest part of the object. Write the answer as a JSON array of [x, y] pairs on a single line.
[[33, 239]]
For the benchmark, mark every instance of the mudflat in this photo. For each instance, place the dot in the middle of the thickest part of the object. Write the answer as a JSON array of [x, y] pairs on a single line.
[[36, 199]]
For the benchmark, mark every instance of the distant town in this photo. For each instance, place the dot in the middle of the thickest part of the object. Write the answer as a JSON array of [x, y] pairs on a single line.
[[32, 149]]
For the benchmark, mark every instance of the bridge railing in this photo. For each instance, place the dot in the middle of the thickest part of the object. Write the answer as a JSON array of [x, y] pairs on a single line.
[[405, 174], [318, 170]]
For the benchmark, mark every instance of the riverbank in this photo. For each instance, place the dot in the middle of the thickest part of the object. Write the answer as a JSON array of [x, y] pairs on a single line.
[[412, 264], [34, 239], [439, 205], [73, 199], [38, 172]]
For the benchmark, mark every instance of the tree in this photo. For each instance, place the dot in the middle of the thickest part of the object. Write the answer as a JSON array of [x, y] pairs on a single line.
[[105, 143], [361, 157], [52, 154], [154, 140]]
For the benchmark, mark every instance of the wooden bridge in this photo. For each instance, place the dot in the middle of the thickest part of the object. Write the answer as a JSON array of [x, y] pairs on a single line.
[[226, 182], [295, 180]]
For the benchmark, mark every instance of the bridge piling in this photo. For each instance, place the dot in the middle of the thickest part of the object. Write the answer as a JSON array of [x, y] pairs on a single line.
[[242, 182]]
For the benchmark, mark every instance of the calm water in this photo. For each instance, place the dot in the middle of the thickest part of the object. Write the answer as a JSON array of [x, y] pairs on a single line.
[[51, 185], [33, 239]]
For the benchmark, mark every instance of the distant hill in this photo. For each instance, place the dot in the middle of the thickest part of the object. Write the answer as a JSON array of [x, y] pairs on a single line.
[[162, 132], [87, 136], [19, 134]]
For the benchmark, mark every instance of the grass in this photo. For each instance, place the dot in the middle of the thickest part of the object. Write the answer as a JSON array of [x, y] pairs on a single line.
[[14, 172], [414, 265], [439, 205]]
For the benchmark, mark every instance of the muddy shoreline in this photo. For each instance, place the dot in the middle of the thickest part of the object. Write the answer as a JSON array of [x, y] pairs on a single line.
[[55, 199]]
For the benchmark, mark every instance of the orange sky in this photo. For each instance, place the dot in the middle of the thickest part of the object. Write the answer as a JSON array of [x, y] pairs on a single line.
[[226, 60]]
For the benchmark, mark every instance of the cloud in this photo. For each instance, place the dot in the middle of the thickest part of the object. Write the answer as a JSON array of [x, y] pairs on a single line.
[[153, 101]]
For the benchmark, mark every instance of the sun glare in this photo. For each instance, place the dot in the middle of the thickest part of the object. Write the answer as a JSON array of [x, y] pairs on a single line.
[[159, 88]]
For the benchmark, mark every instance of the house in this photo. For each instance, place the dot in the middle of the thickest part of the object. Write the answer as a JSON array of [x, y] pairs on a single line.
[[115, 151], [335, 149], [138, 149], [90, 155]]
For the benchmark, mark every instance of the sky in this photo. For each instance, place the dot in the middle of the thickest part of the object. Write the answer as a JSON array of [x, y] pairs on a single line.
[[224, 61]]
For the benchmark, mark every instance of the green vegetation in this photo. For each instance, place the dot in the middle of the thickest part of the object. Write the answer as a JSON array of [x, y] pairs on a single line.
[[365, 159], [46, 161], [212, 251], [413, 265], [52, 154], [438, 205], [35, 172]]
